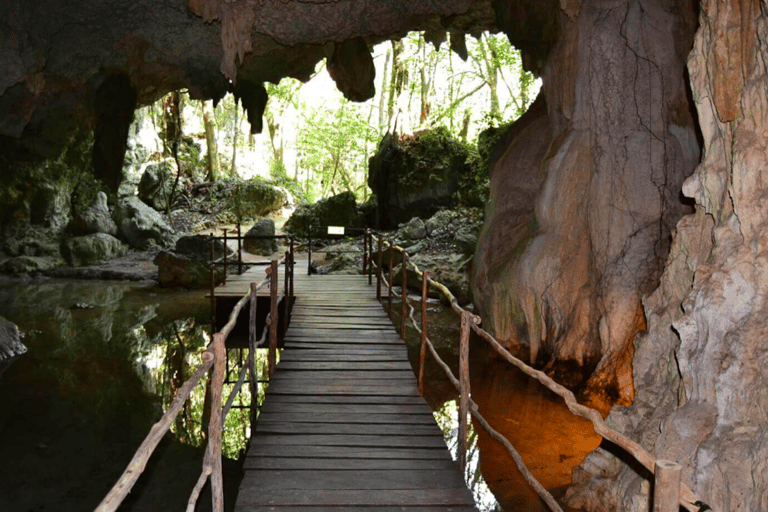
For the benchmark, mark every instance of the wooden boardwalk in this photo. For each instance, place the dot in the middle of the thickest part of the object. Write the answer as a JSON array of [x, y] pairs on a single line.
[[343, 425]]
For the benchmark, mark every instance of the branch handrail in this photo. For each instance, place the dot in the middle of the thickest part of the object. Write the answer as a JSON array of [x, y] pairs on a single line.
[[684, 496], [213, 357]]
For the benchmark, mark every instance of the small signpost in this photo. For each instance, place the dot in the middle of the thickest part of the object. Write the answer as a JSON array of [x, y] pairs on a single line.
[[335, 230]]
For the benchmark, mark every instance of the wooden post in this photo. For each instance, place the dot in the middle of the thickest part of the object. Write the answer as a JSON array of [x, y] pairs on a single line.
[[378, 270], [285, 291], [252, 352], [293, 268], [370, 258], [213, 285], [273, 323], [423, 346], [239, 249], [391, 264], [214, 426], [225, 256], [404, 306], [464, 388], [365, 252], [309, 249], [666, 486]]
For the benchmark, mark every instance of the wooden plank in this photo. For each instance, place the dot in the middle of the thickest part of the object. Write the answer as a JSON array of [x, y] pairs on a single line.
[[351, 418], [291, 388], [346, 365], [331, 350], [254, 495], [343, 479], [398, 429], [345, 399], [400, 375], [349, 355], [349, 440], [363, 452], [378, 409], [357, 464]]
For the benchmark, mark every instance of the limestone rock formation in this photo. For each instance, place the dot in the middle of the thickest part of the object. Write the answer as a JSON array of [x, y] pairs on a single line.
[[338, 210], [416, 175], [156, 184], [585, 197], [95, 219], [254, 198], [266, 246], [701, 363], [10, 344], [140, 225], [91, 249]]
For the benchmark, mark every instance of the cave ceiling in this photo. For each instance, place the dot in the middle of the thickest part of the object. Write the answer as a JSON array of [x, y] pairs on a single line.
[[56, 53]]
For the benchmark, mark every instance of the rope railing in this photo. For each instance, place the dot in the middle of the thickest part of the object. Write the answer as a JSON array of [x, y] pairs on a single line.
[[669, 491], [214, 357]]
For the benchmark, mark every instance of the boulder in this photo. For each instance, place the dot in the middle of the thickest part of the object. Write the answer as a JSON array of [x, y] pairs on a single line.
[[338, 210], [91, 249], [465, 239], [343, 258], [265, 247], [95, 219], [439, 221], [156, 184], [188, 264], [255, 198], [141, 225], [10, 343], [30, 264], [416, 175], [414, 229]]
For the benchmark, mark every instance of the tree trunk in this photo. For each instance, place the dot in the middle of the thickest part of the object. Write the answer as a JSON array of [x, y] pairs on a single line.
[[233, 169], [214, 166], [383, 94]]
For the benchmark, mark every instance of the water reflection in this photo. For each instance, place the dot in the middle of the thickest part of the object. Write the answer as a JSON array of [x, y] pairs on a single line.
[[548, 437], [104, 360]]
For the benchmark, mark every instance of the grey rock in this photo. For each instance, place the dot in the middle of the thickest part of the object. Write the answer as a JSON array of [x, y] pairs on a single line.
[[465, 239], [11, 346], [95, 219], [30, 264], [140, 225], [414, 229], [91, 249], [265, 247], [187, 271], [439, 221], [156, 184]]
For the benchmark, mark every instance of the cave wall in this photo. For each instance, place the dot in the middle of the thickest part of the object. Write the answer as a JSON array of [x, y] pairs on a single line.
[[583, 203], [700, 366]]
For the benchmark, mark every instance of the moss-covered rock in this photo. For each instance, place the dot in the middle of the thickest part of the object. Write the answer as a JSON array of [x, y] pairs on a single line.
[[416, 175], [255, 198], [338, 210]]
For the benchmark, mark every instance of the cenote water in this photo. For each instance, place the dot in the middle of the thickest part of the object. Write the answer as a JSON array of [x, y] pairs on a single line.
[[105, 358]]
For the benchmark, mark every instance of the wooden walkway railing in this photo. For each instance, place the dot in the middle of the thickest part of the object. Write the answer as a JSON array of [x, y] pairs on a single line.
[[214, 357], [669, 492]]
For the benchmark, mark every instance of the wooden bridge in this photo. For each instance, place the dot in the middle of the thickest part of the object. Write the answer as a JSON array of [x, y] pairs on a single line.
[[343, 424]]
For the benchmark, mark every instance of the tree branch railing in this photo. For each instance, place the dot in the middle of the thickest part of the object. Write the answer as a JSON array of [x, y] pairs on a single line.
[[214, 357], [669, 492]]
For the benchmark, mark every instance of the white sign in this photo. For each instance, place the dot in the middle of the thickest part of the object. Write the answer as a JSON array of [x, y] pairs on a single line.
[[335, 230]]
